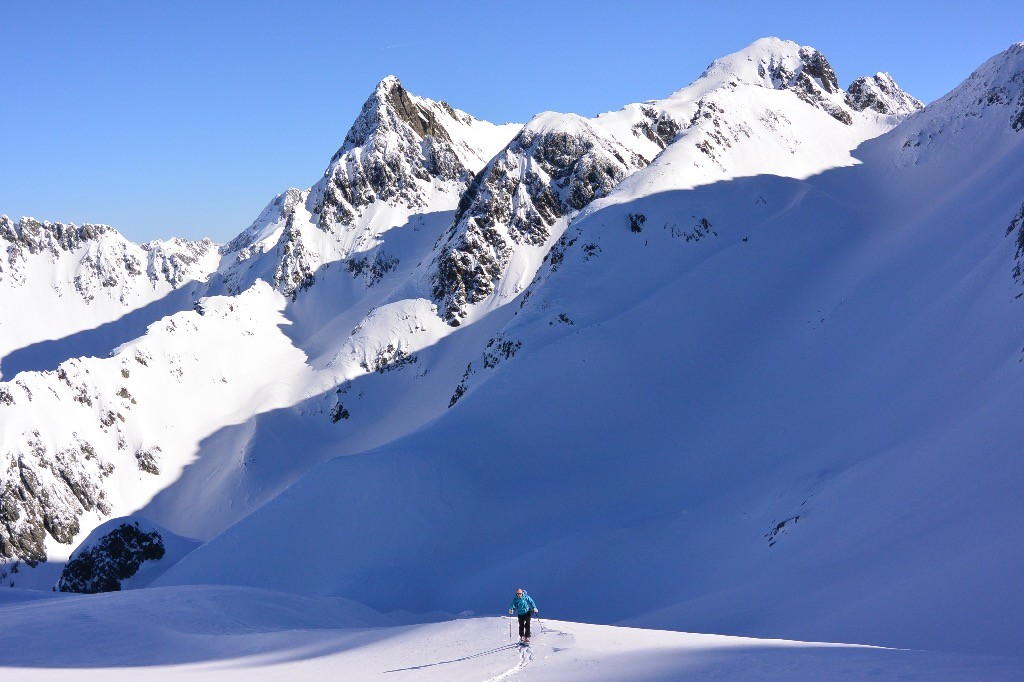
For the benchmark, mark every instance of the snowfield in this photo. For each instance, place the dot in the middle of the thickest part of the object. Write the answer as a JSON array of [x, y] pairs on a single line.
[[216, 633], [745, 360]]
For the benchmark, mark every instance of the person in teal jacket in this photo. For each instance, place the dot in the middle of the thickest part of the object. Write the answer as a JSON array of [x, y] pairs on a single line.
[[523, 606]]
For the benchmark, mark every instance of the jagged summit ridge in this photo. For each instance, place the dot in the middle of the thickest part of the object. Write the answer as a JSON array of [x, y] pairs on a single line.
[[403, 155], [102, 257], [720, 126], [398, 144], [770, 62], [554, 167], [881, 93], [999, 83], [390, 101], [783, 65], [989, 103]]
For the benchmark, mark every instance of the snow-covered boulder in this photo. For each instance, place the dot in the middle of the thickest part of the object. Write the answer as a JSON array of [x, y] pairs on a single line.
[[123, 553]]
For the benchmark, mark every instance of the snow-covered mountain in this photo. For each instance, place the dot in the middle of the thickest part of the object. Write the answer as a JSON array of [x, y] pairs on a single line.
[[57, 279], [403, 156], [774, 107], [743, 359], [556, 165]]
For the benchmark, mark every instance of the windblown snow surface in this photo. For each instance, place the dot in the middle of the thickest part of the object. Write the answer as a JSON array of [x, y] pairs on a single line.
[[744, 360], [215, 633]]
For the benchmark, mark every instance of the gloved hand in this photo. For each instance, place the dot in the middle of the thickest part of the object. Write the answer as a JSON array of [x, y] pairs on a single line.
[[510, 612], [536, 611]]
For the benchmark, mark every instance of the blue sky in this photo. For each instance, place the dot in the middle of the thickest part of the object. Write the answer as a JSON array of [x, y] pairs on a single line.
[[185, 118]]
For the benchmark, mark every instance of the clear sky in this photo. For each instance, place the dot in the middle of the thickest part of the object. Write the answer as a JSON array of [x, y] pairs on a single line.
[[180, 118]]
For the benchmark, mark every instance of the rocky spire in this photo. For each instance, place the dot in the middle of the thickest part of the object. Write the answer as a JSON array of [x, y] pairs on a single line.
[[881, 93], [398, 144]]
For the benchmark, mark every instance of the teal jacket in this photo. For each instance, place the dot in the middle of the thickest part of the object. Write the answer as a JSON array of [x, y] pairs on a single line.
[[523, 604]]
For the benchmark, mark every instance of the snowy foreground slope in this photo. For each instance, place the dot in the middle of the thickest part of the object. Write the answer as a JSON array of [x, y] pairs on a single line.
[[240, 633], [744, 360]]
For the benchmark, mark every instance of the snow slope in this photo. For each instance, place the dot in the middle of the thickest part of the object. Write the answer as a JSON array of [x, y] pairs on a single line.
[[84, 277], [783, 407], [101, 436], [720, 359], [425, 218], [237, 633]]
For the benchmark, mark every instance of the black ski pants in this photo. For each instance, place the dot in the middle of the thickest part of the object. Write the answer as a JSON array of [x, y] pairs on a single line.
[[524, 624]]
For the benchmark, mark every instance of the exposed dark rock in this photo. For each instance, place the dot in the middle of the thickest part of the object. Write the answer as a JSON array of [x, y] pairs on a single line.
[[339, 412], [468, 270], [396, 142], [720, 133], [1017, 225], [773, 535], [44, 494], [108, 264], [557, 253], [1017, 120], [658, 127], [114, 557], [294, 268], [499, 349], [811, 81], [174, 266], [35, 236], [816, 66], [880, 93], [148, 460], [701, 229], [399, 151], [546, 173], [461, 389], [372, 268], [387, 359]]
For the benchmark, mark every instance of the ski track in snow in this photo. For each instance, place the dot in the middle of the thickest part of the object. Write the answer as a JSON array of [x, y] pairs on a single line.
[[218, 633], [525, 657]]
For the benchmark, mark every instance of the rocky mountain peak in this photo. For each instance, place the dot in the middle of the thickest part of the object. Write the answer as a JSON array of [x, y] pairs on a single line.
[[390, 106], [35, 236], [403, 153], [990, 101], [774, 63], [555, 166], [880, 93], [398, 145], [782, 65], [998, 83], [103, 259]]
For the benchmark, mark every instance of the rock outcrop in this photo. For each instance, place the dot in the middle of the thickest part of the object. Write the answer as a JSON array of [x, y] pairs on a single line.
[[554, 167]]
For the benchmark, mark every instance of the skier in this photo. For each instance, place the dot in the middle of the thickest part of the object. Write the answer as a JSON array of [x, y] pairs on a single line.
[[523, 605]]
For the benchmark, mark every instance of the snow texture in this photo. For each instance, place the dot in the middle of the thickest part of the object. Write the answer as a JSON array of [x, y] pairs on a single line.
[[216, 633], [745, 359]]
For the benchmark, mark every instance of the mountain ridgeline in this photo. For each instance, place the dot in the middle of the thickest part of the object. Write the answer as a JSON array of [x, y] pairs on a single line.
[[719, 336]]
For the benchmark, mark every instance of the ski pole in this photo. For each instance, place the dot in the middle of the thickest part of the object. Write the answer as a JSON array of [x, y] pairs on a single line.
[[510, 628]]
